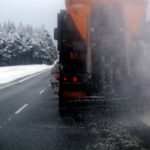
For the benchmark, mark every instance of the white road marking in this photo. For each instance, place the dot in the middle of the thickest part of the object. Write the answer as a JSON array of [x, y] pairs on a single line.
[[9, 119], [0, 127], [20, 81], [41, 92], [21, 109]]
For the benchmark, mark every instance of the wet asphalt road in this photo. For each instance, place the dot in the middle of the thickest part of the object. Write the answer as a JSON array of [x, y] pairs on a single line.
[[29, 120]]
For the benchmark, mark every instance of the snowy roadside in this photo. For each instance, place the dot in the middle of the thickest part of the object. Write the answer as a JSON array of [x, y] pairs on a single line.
[[12, 73]]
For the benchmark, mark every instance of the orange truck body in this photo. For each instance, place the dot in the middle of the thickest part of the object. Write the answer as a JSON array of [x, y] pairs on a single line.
[[132, 10]]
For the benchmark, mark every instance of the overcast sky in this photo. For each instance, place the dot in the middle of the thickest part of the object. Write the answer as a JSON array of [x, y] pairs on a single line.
[[33, 12]]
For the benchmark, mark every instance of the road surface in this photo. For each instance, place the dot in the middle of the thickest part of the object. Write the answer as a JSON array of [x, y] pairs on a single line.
[[29, 120]]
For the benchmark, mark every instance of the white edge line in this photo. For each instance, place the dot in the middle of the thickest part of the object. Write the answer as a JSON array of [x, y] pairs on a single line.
[[21, 109], [11, 84], [41, 92]]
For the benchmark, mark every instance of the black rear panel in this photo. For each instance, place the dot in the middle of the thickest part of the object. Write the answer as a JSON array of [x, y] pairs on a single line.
[[71, 47]]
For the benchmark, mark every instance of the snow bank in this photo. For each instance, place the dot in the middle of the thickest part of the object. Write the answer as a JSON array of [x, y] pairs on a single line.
[[12, 73]]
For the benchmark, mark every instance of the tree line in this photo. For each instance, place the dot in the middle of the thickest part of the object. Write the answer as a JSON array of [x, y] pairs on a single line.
[[25, 45]]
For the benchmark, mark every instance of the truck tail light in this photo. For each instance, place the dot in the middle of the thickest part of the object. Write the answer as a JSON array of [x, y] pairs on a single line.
[[75, 79], [74, 94], [65, 78], [57, 77]]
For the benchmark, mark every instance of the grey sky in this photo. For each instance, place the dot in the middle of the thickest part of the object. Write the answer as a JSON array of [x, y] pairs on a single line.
[[33, 12]]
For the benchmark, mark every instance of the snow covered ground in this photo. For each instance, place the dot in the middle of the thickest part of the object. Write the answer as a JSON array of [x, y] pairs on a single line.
[[12, 73]]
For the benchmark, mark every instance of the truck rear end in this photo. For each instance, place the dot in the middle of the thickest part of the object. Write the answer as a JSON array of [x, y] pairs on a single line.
[[93, 45], [72, 50]]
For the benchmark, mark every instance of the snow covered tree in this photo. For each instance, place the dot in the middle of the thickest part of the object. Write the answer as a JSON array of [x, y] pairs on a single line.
[[25, 45]]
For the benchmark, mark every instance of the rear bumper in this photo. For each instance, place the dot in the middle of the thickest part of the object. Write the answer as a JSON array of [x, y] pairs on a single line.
[[95, 99], [100, 102]]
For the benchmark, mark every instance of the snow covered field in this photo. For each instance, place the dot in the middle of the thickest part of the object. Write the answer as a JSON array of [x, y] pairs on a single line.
[[12, 73]]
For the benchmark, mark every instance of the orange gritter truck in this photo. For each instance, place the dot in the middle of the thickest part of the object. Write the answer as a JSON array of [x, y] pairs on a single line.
[[93, 42]]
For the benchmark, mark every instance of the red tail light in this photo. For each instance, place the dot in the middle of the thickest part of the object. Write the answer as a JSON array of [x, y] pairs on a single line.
[[75, 79], [65, 78], [57, 77], [74, 94]]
